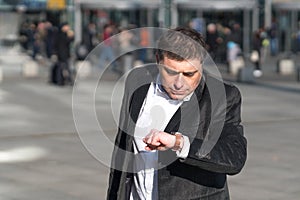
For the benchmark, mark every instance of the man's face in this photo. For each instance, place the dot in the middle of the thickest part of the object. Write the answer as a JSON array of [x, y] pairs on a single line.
[[180, 78], [65, 28]]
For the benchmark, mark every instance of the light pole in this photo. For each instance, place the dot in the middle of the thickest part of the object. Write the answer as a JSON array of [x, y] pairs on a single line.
[[70, 12], [167, 13], [268, 13]]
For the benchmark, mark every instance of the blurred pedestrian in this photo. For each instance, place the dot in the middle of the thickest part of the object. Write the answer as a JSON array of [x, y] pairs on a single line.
[[24, 36], [89, 36], [125, 38], [235, 59], [51, 32], [236, 34], [107, 53], [273, 35], [222, 43], [35, 40], [144, 43], [62, 46], [212, 39], [256, 53]]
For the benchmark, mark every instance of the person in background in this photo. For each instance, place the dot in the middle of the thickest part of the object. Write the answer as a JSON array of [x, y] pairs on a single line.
[[62, 47], [236, 34], [144, 43], [126, 45], [89, 36], [273, 35], [212, 39], [107, 51], [257, 45], [51, 32]]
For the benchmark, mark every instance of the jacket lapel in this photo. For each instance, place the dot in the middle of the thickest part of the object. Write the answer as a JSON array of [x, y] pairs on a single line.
[[137, 100], [188, 108]]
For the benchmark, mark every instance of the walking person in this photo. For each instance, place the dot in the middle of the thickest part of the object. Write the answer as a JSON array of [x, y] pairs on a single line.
[[144, 43], [61, 70], [256, 57], [107, 51], [125, 38], [273, 34], [169, 118], [212, 39]]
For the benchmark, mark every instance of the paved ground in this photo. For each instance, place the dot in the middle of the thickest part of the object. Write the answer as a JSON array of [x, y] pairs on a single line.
[[43, 157]]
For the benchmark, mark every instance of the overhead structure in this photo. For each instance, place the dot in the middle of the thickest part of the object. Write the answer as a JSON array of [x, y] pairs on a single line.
[[118, 4], [217, 4], [112, 4], [286, 4]]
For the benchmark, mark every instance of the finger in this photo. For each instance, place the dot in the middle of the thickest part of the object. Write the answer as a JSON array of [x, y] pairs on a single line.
[[149, 138], [145, 140], [150, 147], [161, 148]]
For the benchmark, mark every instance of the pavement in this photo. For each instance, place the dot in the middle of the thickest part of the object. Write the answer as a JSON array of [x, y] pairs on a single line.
[[45, 155]]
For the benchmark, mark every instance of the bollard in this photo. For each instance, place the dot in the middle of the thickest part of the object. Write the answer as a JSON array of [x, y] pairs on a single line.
[[236, 65], [127, 62], [1, 74], [30, 69], [298, 73], [245, 74], [286, 66], [83, 68]]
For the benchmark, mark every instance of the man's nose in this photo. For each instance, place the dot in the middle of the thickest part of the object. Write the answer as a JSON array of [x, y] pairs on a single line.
[[179, 82]]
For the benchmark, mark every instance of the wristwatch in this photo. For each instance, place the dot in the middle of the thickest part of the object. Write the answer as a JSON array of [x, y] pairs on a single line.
[[178, 138]]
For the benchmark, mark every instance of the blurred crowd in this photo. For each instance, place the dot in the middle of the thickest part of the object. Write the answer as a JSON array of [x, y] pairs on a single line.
[[224, 43], [42, 39]]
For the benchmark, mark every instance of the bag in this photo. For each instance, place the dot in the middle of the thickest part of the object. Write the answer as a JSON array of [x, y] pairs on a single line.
[[81, 52], [236, 64], [254, 56]]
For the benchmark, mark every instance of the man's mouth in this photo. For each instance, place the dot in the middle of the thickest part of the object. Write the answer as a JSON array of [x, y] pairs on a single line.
[[177, 92]]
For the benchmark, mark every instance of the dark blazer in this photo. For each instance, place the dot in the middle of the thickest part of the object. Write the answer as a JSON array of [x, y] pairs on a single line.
[[211, 120], [62, 46]]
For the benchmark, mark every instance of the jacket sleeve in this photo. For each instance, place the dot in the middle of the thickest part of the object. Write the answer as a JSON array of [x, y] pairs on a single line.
[[228, 154], [118, 156]]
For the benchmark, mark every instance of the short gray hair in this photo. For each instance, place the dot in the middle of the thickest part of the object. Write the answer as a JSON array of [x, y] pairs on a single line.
[[181, 44]]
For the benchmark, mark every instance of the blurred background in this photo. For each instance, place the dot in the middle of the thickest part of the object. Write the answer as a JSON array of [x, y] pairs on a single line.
[[254, 43]]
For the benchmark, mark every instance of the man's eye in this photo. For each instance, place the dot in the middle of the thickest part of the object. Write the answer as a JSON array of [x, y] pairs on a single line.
[[171, 72], [189, 74]]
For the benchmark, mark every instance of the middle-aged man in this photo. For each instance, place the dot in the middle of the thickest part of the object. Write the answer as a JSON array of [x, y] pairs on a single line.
[[179, 135]]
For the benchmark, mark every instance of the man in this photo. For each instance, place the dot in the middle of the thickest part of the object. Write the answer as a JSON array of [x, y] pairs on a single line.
[[62, 47], [107, 51], [179, 135]]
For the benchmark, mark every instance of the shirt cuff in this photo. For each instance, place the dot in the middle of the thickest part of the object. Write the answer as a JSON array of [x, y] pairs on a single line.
[[183, 153]]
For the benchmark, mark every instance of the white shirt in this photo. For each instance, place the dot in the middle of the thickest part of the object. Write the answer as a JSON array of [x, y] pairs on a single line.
[[156, 112]]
